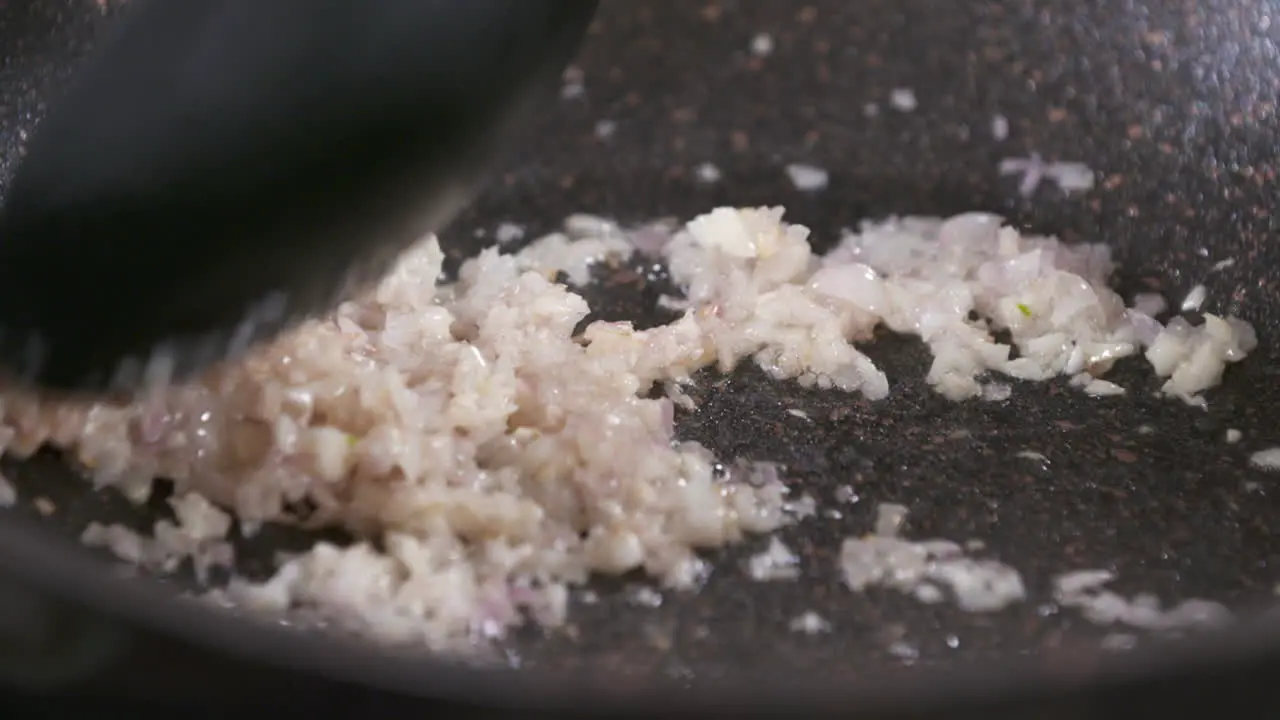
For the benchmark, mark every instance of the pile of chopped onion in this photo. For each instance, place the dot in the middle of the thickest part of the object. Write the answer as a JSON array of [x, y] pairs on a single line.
[[753, 286], [487, 457]]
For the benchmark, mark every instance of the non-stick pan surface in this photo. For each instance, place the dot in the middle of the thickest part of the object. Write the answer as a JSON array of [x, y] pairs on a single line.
[[1173, 103]]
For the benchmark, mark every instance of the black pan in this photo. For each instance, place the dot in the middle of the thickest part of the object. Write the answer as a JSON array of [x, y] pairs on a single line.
[[1172, 102]]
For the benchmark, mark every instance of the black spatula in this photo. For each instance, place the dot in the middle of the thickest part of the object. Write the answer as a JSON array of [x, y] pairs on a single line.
[[224, 168]]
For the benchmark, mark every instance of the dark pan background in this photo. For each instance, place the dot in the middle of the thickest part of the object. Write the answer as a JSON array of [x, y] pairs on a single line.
[[1172, 102]]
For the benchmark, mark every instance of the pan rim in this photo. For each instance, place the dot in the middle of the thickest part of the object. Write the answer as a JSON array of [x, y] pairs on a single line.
[[48, 562]]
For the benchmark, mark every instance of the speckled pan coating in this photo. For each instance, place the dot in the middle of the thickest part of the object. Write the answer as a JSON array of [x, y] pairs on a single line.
[[1173, 103]]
